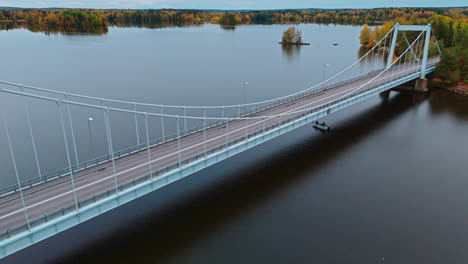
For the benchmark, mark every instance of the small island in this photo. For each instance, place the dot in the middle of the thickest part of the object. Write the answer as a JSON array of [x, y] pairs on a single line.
[[292, 37]]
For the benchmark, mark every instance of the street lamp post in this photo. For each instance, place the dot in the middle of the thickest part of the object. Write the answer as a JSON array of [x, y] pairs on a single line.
[[324, 71], [90, 135]]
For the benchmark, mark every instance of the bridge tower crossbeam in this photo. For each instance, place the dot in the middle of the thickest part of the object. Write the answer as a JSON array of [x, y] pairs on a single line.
[[427, 31]]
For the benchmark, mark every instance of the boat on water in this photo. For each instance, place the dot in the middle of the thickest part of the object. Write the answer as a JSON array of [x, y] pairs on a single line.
[[321, 126]]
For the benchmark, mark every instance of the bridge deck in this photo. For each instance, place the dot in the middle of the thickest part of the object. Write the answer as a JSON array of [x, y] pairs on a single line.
[[48, 198]]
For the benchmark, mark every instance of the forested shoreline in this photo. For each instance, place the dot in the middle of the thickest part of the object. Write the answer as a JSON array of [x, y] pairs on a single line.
[[88, 18], [449, 24]]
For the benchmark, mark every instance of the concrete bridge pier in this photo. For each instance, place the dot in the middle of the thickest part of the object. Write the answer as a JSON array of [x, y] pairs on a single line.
[[416, 86], [421, 85], [385, 95]]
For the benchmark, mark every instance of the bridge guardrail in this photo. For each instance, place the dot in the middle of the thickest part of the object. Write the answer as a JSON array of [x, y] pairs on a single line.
[[92, 199], [96, 197], [125, 152]]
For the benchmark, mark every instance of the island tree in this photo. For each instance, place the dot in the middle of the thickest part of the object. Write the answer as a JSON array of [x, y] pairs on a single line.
[[292, 36]]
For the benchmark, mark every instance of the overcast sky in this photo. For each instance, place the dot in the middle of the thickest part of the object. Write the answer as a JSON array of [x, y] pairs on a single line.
[[231, 4]]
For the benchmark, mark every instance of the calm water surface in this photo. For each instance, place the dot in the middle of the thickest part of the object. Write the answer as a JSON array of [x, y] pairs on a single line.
[[387, 185]]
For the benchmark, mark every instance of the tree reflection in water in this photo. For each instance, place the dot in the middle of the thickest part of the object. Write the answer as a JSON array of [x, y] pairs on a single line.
[[291, 52]]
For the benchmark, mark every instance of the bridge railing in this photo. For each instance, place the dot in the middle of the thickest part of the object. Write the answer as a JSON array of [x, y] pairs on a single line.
[[199, 156], [35, 222], [62, 173]]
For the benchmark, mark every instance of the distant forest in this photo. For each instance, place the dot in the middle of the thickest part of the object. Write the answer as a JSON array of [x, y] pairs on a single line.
[[97, 21], [449, 24]]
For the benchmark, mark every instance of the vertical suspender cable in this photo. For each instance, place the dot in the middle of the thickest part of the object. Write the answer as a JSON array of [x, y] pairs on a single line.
[[28, 118], [110, 146], [263, 128], [136, 124], [72, 134], [227, 133], [16, 172], [178, 142], [185, 119], [148, 146], [204, 130], [59, 105], [162, 123], [246, 129]]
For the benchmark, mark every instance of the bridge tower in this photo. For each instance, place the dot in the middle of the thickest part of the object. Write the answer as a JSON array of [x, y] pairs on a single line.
[[421, 83]]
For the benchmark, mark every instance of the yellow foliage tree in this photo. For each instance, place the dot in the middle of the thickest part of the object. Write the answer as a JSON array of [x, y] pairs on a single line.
[[365, 36]]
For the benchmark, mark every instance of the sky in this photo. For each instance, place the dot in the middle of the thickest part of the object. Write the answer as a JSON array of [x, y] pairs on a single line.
[[232, 4]]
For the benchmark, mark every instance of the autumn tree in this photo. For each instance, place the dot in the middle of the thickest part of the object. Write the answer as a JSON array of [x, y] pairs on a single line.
[[453, 67], [229, 19], [51, 19], [292, 36], [365, 36]]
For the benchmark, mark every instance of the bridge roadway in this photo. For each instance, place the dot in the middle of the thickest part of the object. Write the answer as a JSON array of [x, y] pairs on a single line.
[[50, 198]]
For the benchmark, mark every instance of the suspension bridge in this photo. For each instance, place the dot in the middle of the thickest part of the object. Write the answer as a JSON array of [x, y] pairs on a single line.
[[173, 141]]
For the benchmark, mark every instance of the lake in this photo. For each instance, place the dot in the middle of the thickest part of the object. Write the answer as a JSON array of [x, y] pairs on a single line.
[[387, 185]]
